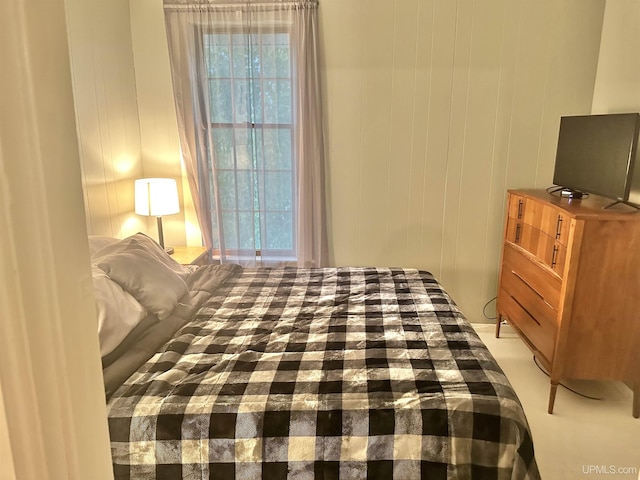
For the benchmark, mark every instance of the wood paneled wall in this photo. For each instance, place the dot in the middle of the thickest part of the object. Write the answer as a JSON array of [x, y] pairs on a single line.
[[433, 109], [126, 119], [107, 114]]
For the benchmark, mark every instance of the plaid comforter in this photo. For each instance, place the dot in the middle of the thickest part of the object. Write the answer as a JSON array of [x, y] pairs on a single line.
[[349, 373]]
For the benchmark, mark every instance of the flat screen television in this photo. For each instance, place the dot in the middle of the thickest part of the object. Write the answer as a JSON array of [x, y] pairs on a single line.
[[597, 154]]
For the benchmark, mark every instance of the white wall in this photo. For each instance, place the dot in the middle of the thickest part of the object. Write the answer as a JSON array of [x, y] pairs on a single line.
[[617, 86], [433, 109]]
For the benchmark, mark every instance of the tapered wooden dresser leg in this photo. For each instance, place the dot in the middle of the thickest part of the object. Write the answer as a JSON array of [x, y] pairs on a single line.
[[636, 400], [552, 395], [498, 322]]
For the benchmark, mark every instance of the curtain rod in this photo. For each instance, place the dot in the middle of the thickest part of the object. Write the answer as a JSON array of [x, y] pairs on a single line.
[[239, 4]]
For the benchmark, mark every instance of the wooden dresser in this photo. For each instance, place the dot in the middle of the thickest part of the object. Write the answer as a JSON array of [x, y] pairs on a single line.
[[570, 286]]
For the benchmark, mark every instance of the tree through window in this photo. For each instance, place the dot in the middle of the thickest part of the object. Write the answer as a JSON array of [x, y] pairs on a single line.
[[250, 86]]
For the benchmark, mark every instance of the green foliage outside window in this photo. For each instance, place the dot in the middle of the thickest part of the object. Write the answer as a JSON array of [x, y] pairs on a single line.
[[250, 101]]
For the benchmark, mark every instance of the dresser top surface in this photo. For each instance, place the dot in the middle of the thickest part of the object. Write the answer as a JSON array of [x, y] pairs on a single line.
[[592, 206]]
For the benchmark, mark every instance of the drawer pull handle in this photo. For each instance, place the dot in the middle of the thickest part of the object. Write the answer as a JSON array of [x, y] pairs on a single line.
[[554, 256], [518, 228], [525, 310], [559, 227], [520, 205]]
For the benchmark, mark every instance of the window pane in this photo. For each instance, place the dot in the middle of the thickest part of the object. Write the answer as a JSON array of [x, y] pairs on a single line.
[[256, 95], [214, 226], [218, 61], [242, 99], [258, 142], [279, 230], [283, 67], [277, 101], [244, 148], [227, 186], [269, 61], [278, 195], [220, 101], [229, 226], [245, 190], [276, 56], [240, 60], [246, 230], [217, 55], [277, 148], [223, 147], [246, 56]]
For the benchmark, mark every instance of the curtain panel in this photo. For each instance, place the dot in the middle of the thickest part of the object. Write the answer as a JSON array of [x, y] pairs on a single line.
[[247, 93]]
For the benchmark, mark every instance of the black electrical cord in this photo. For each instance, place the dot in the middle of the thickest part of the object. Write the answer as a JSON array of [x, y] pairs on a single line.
[[557, 191], [484, 309]]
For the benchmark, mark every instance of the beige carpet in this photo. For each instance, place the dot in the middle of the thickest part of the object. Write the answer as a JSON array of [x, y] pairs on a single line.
[[584, 438]]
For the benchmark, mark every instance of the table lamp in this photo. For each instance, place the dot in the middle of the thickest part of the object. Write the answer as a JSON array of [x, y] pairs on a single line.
[[156, 197]]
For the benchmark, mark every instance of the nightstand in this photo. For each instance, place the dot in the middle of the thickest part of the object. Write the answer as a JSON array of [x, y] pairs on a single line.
[[191, 255]]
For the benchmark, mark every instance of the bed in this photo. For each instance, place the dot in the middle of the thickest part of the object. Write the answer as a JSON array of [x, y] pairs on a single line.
[[296, 373]]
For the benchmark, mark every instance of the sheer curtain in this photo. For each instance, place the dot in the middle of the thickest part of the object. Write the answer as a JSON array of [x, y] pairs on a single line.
[[247, 92]]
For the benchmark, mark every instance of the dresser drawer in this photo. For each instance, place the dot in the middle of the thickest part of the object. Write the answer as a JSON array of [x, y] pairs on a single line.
[[517, 207], [540, 336], [555, 223], [553, 255], [529, 299], [538, 243], [547, 219], [541, 281]]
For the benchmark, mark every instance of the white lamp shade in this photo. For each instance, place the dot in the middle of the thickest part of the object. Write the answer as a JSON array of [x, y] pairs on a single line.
[[156, 197]]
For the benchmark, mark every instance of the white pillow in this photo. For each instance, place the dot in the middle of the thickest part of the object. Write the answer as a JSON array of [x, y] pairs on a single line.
[[154, 284], [118, 311], [98, 242]]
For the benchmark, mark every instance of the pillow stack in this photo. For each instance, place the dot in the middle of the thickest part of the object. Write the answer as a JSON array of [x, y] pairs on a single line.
[[132, 277]]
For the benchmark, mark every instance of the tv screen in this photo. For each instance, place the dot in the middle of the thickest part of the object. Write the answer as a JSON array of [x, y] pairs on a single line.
[[596, 154]]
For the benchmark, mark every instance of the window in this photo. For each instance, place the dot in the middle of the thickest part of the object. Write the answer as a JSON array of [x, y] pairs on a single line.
[[250, 102], [246, 81]]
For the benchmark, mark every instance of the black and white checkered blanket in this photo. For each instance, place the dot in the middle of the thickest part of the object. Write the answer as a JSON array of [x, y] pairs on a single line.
[[345, 373]]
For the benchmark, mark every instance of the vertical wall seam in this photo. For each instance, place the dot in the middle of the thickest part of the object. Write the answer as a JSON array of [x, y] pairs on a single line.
[[513, 95], [393, 76], [446, 175], [485, 260], [427, 136], [463, 151], [360, 159], [413, 128]]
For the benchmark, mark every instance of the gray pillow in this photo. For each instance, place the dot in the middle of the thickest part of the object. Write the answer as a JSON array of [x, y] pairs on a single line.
[[142, 241], [154, 284]]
